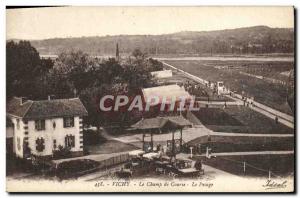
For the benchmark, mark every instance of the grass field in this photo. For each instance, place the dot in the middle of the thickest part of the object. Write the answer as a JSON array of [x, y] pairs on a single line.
[[220, 144], [95, 143], [240, 119], [216, 116], [270, 94], [255, 165], [110, 146]]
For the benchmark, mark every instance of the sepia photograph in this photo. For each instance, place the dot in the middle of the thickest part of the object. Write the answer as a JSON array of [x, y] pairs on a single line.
[[150, 99]]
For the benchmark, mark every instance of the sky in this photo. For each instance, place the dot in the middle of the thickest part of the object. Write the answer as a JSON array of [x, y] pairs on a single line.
[[62, 22]]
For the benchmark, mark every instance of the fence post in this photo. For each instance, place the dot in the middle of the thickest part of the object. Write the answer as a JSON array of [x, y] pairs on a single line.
[[269, 174], [207, 152], [191, 148], [244, 167]]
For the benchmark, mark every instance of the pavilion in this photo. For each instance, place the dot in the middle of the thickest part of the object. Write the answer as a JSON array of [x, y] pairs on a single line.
[[150, 126]]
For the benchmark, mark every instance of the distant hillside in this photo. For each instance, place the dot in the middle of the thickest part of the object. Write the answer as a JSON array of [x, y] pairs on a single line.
[[258, 39]]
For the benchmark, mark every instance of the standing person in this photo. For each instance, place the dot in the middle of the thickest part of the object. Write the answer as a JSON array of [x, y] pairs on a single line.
[[276, 120], [198, 165]]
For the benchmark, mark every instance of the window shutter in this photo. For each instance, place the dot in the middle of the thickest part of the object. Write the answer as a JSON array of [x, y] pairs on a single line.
[[40, 144], [37, 144], [43, 124], [39, 125], [66, 145], [73, 141], [72, 121], [68, 122]]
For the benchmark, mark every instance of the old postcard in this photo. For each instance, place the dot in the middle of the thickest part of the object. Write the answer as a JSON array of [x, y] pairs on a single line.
[[150, 99]]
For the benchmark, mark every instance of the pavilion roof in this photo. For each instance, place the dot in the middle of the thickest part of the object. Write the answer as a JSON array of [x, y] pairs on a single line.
[[160, 122]]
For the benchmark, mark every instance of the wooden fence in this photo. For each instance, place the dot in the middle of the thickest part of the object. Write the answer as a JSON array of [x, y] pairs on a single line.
[[113, 160]]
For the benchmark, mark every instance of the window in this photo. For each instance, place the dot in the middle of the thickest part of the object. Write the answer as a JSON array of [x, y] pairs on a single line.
[[68, 122], [40, 125], [70, 141], [54, 144], [40, 144]]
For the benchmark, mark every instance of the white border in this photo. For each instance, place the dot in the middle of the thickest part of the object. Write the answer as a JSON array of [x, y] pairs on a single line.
[[3, 3]]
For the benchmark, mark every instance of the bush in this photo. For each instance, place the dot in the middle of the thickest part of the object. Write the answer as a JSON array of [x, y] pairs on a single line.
[[62, 152], [75, 167]]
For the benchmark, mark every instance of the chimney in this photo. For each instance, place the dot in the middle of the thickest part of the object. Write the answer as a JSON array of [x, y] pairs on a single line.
[[23, 100]]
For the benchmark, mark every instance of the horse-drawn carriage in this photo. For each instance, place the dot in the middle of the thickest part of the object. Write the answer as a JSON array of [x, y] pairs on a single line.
[[180, 167], [142, 163]]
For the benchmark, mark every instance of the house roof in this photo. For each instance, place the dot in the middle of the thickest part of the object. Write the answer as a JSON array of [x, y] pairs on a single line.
[[150, 123], [46, 108], [167, 92], [160, 122]]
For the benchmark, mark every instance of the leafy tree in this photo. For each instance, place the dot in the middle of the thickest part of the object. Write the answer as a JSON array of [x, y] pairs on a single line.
[[75, 65], [155, 65], [75, 72], [138, 54], [108, 72], [24, 69]]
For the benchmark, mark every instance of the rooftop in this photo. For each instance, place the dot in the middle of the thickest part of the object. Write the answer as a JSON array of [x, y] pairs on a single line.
[[167, 92], [31, 109], [160, 122]]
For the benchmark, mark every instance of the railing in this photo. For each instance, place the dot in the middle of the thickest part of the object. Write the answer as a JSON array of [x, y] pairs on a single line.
[[245, 166]]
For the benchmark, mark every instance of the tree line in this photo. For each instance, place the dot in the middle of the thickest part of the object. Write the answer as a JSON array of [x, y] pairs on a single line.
[[251, 40], [77, 74]]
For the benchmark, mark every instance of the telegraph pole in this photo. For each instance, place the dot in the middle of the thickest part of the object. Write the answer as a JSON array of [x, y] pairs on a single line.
[[117, 53]]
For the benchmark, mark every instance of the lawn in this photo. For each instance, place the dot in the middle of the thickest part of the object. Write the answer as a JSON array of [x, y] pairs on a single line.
[[240, 119], [270, 94], [95, 143], [17, 167], [256, 165], [216, 116], [110, 146], [220, 144]]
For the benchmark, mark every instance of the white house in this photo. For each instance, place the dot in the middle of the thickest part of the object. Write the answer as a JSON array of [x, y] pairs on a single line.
[[40, 127], [9, 135], [167, 92]]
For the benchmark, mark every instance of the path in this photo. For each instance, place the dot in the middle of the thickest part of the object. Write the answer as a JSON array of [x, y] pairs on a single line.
[[209, 173], [190, 134], [250, 153], [263, 109], [97, 157], [220, 103], [100, 174]]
